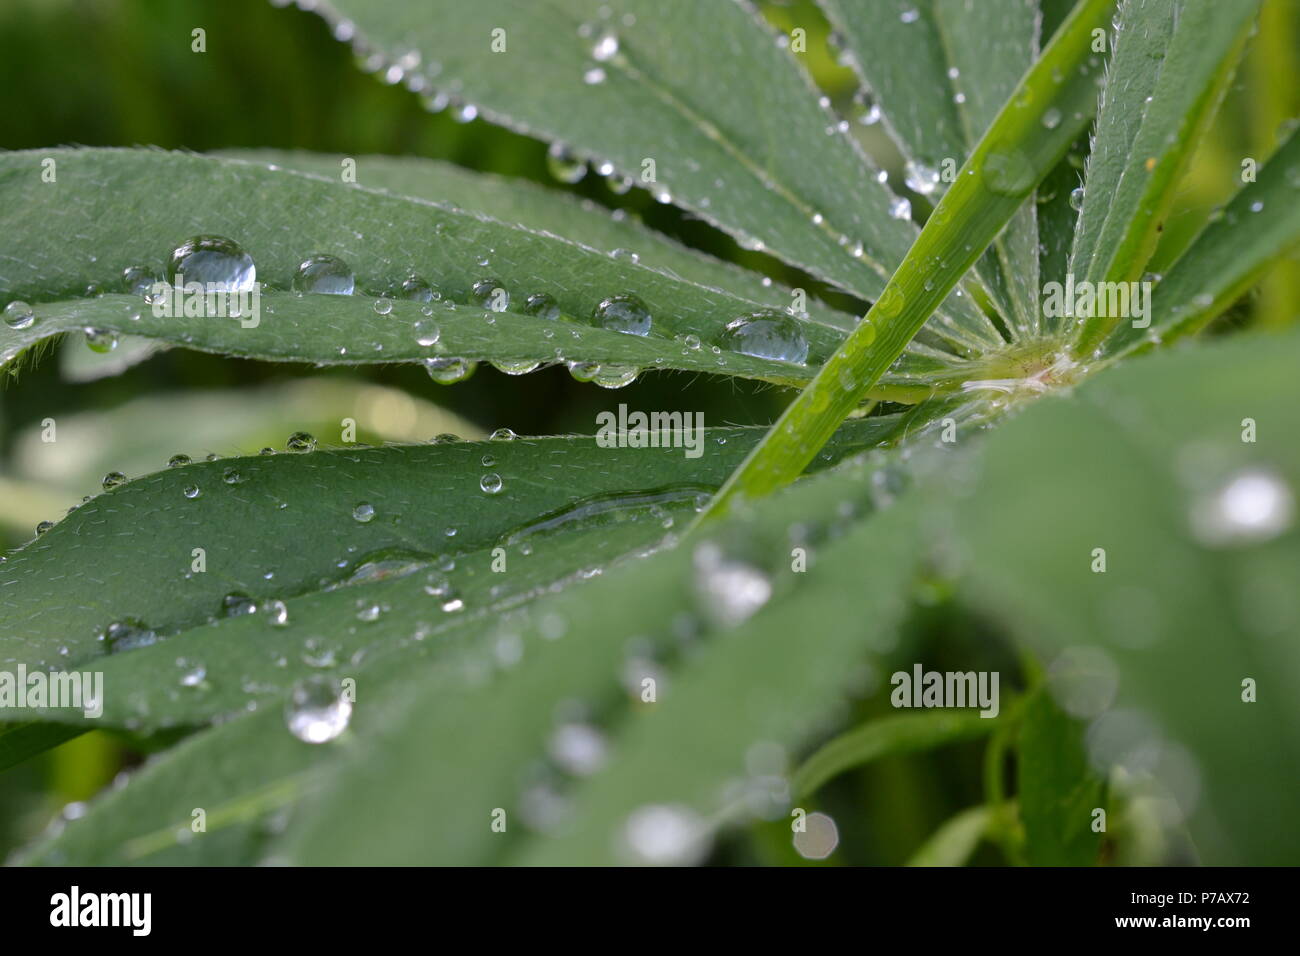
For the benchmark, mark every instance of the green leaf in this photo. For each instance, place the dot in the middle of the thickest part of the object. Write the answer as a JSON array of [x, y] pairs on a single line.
[[103, 215], [761, 160], [661, 753], [1172, 64], [1148, 463], [954, 842], [18, 742], [1058, 791], [885, 736], [941, 71], [285, 527], [244, 775], [1016, 152], [1258, 228]]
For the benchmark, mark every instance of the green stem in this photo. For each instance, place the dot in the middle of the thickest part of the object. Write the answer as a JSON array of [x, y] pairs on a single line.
[[1019, 149]]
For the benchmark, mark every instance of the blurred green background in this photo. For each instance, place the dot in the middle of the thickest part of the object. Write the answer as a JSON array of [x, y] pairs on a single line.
[[121, 73]]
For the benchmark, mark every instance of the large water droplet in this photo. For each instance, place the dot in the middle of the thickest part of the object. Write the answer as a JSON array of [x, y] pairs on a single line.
[[178, 461], [449, 371], [101, 340], [19, 315], [623, 313], [214, 261], [324, 275], [427, 333], [615, 376], [317, 711], [112, 480], [1252, 506], [520, 367], [665, 835], [766, 334]]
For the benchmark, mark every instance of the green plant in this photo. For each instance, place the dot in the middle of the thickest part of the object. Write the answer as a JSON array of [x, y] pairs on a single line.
[[454, 629]]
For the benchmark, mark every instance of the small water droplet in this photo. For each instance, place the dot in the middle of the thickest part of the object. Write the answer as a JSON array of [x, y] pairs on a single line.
[[502, 434], [230, 476], [615, 376], [1052, 118], [318, 711], [276, 613], [178, 461], [920, 178], [237, 604], [1076, 198], [112, 480], [383, 305], [623, 313], [731, 590], [101, 340], [324, 275], [543, 306], [579, 749], [665, 835], [363, 512], [415, 289], [900, 207], [191, 491], [427, 333], [44, 526], [491, 294], [19, 315], [563, 165], [594, 76], [520, 367], [301, 442], [605, 48]]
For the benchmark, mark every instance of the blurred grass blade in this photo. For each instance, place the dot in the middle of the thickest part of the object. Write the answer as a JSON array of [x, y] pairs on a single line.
[[954, 842], [1018, 150], [1258, 230], [640, 87], [18, 742], [883, 737], [1171, 67], [1057, 789]]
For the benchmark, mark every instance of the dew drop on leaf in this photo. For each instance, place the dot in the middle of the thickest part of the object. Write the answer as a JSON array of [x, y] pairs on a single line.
[[178, 461], [448, 371], [623, 313], [317, 710], [563, 165], [664, 835], [324, 275], [542, 305], [112, 480], [1252, 506], [19, 315], [427, 333], [301, 442], [219, 263], [363, 512], [766, 334], [101, 340]]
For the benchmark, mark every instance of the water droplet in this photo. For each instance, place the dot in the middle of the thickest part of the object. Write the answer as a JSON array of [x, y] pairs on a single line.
[[584, 371], [491, 484], [193, 673], [214, 261], [605, 48], [1076, 198], [19, 315], [415, 289], [383, 305], [615, 376], [317, 711], [665, 835], [766, 334], [520, 367], [449, 371], [909, 15], [301, 442], [191, 491], [324, 275], [900, 207], [276, 613], [543, 306], [363, 512], [1052, 118], [1257, 206], [112, 480], [44, 526], [101, 340], [230, 476], [732, 590], [138, 280], [237, 604], [623, 313], [427, 333], [128, 634], [579, 749], [920, 178], [563, 165], [594, 76], [491, 294], [1252, 506], [178, 461], [502, 434], [625, 254]]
